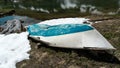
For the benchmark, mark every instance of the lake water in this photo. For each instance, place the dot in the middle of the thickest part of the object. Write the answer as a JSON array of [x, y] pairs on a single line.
[[27, 20], [49, 6]]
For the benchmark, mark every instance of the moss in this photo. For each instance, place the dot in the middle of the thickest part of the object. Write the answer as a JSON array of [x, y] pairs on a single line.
[[46, 16], [4, 10], [109, 35]]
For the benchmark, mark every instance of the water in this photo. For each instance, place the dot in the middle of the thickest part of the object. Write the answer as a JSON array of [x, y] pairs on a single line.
[[49, 6], [27, 20]]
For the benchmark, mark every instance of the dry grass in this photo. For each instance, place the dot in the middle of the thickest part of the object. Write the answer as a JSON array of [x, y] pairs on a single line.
[[50, 57]]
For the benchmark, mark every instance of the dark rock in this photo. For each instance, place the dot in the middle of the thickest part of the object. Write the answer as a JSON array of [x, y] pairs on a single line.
[[11, 12]]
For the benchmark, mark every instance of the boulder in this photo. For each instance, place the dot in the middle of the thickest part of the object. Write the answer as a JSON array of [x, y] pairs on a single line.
[[12, 26]]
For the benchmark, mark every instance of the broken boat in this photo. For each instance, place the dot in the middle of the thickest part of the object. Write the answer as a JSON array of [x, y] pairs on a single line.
[[69, 33]]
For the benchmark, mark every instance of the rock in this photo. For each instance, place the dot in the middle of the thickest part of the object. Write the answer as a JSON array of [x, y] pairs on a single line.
[[11, 12], [12, 26]]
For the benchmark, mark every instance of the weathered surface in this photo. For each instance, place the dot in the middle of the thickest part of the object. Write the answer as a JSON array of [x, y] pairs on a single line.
[[12, 26]]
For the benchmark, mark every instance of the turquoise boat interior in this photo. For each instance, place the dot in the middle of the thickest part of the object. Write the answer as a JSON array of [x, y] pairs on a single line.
[[55, 30]]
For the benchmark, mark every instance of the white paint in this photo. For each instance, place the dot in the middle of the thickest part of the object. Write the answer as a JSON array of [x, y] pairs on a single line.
[[64, 21], [89, 39], [13, 49]]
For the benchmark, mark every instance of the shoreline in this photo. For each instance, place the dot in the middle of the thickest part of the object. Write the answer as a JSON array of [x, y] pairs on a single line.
[[50, 57]]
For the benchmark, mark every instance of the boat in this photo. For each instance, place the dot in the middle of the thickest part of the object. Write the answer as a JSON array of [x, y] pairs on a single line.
[[69, 33]]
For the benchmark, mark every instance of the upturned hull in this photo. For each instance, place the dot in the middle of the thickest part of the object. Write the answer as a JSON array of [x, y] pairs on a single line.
[[91, 39]]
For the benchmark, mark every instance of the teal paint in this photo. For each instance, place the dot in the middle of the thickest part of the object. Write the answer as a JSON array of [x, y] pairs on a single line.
[[47, 30]]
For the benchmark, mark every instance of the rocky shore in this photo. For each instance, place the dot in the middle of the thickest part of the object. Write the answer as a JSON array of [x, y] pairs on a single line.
[[49, 57]]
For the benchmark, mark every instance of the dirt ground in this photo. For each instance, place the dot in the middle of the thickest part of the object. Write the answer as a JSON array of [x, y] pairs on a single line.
[[49, 57]]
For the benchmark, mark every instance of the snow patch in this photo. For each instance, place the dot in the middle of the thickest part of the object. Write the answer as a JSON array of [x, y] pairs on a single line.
[[55, 10], [119, 3], [13, 49], [68, 4], [114, 13], [32, 8], [22, 7], [96, 12], [43, 10], [15, 1], [118, 11], [111, 13], [89, 8], [83, 9]]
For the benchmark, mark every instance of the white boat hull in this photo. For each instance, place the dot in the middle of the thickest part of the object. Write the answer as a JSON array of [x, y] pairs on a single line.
[[91, 39]]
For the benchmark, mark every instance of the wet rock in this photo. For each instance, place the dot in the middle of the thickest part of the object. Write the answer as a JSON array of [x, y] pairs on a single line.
[[12, 26]]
